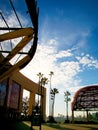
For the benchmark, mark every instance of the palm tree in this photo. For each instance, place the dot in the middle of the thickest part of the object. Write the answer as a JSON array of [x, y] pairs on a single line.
[[42, 82], [54, 91], [67, 99], [25, 106], [51, 73], [40, 75]]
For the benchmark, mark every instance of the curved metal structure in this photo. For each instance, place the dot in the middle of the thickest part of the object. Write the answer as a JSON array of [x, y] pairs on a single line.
[[86, 99], [25, 35]]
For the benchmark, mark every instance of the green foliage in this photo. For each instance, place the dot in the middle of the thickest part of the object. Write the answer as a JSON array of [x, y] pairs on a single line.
[[66, 96], [25, 106], [67, 99], [54, 91]]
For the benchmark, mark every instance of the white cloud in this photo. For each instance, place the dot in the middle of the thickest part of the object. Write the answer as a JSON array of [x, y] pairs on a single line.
[[87, 61], [52, 42], [66, 53], [45, 60], [70, 67]]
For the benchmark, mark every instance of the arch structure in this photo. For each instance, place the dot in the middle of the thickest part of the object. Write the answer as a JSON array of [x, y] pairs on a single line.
[[85, 99], [18, 43]]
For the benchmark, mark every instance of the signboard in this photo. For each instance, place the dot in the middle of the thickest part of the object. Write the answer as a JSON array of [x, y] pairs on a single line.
[[3, 85], [13, 95]]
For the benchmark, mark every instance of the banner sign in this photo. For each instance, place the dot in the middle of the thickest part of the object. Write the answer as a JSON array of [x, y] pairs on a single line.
[[3, 86], [13, 95]]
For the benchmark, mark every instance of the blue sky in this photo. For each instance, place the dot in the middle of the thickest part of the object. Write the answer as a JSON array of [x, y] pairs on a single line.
[[67, 45]]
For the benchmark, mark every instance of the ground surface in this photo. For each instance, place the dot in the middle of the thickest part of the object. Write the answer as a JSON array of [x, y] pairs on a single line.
[[60, 126], [47, 126]]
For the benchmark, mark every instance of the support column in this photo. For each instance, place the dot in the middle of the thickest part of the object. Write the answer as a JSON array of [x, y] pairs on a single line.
[[73, 116], [44, 104], [87, 115], [20, 99], [31, 102]]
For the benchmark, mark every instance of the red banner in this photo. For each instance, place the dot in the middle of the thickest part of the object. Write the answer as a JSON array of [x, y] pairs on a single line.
[[13, 95]]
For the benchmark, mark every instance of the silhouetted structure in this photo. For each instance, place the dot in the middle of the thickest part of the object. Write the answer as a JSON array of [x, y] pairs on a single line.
[[26, 34], [85, 99], [14, 56]]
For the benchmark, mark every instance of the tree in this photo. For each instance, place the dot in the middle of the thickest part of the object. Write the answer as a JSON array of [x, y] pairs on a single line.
[[54, 91], [40, 75], [25, 106], [51, 73], [42, 82], [67, 99]]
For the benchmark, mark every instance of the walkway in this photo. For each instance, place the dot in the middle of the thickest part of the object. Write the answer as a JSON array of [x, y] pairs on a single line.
[[27, 126], [64, 126]]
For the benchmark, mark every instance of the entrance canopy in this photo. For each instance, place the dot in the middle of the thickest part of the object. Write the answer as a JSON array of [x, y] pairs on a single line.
[[86, 99]]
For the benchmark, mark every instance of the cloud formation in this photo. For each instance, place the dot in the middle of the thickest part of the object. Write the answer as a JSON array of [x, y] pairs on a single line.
[[61, 49]]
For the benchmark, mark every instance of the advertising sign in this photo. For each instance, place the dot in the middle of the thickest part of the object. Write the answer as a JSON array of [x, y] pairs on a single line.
[[3, 85], [13, 95]]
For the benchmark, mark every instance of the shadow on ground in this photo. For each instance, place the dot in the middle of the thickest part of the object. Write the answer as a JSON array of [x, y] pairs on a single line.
[[73, 126], [57, 126], [47, 126], [13, 126], [95, 127]]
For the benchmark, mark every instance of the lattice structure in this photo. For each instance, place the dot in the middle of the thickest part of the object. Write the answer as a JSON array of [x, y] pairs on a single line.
[[86, 99], [17, 44]]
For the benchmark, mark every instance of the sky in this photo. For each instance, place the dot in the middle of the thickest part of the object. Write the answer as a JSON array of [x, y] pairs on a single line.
[[67, 45]]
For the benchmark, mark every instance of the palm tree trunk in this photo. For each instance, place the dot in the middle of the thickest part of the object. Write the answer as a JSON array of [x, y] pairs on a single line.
[[53, 106], [67, 110]]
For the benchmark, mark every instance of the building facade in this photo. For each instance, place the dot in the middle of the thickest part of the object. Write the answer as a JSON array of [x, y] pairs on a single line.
[[11, 94]]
